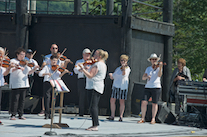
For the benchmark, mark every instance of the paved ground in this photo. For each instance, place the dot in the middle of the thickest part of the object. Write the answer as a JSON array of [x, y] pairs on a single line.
[[32, 127]]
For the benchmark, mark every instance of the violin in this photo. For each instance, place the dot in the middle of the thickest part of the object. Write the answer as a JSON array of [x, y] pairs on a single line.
[[90, 61], [63, 58], [123, 67], [5, 65], [155, 66], [25, 62], [61, 69], [54, 67], [5, 59]]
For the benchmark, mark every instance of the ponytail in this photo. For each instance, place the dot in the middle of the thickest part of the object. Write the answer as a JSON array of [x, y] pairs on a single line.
[[103, 54]]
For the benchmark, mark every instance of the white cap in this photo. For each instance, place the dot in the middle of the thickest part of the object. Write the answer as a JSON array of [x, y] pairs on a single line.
[[87, 51], [153, 56]]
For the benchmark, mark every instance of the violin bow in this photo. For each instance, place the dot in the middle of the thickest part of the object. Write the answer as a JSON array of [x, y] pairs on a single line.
[[34, 53]]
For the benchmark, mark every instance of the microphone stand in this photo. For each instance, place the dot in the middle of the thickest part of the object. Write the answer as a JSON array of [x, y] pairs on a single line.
[[52, 133]]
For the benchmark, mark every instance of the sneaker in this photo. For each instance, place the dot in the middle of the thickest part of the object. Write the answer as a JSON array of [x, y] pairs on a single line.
[[12, 118], [42, 113], [1, 123], [22, 118]]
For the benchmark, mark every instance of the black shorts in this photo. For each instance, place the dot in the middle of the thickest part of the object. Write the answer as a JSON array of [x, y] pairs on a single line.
[[152, 92]]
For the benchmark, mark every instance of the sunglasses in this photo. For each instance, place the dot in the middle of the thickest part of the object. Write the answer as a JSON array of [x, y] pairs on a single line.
[[54, 48], [122, 60], [153, 59]]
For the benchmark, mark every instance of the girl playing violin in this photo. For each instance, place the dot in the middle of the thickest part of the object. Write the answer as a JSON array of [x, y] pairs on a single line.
[[48, 75], [95, 84]]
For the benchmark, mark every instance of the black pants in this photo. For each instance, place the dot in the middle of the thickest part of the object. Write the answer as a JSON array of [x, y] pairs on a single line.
[[17, 101], [0, 97], [82, 92], [94, 97], [31, 82], [47, 89]]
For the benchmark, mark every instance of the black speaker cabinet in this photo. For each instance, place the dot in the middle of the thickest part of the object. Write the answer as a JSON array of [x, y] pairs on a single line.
[[137, 94]]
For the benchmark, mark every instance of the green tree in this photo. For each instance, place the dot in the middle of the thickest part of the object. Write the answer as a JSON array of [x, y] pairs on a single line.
[[190, 34]]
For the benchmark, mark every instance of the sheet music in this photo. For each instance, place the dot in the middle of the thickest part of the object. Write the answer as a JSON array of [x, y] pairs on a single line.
[[59, 85]]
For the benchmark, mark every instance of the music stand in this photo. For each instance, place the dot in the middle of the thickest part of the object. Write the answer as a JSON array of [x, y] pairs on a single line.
[[58, 86]]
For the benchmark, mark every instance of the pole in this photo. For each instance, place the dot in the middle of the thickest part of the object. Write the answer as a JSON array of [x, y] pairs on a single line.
[[109, 7], [77, 7], [22, 32], [126, 43], [168, 49]]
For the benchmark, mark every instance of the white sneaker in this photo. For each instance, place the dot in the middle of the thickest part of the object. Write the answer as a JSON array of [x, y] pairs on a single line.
[[42, 113]]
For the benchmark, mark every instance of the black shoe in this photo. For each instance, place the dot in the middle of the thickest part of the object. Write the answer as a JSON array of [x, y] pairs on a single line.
[[80, 115], [110, 118], [47, 116], [120, 119]]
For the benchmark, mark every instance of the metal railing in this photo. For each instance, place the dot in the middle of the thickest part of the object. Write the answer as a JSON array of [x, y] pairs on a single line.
[[145, 14], [146, 4], [47, 6]]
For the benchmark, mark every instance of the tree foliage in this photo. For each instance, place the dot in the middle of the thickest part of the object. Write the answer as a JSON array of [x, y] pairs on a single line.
[[190, 34]]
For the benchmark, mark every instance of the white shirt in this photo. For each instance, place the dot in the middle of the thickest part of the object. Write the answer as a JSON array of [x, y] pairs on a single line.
[[47, 60], [97, 82], [47, 69], [154, 81], [2, 70], [32, 61], [19, 78], [121, 81], [76, 69]]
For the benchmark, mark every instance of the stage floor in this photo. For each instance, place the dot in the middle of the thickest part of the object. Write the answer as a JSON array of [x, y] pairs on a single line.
[[32, 127]]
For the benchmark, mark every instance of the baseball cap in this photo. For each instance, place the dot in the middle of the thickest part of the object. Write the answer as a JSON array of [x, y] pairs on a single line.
[[29, 51], [86, 51]]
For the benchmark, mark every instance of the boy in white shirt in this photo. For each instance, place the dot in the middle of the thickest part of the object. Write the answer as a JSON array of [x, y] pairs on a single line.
[[48, 75]]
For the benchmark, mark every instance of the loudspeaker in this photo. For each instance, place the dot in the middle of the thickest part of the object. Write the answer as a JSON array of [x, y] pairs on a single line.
[[30, 103], [164, 115], [137, 95]]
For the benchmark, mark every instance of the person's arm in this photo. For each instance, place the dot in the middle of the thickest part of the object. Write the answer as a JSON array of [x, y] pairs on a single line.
[[44, 72], [92, 73], [33, 70], [160, 70], [145, 76], [127, 72], [76, 68], [64, 72], [111, 76], [189, 74], [8, 69], [43, 65], [66, 62]]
